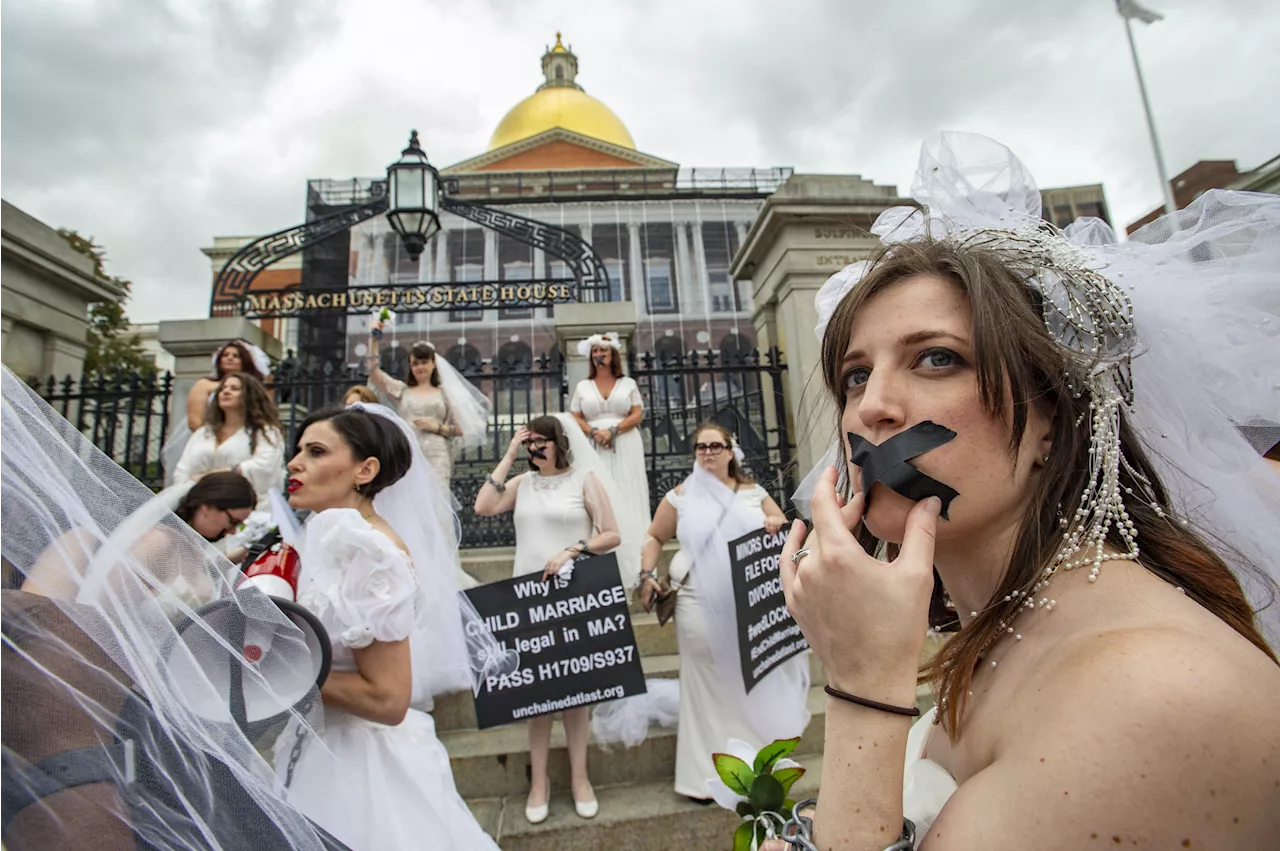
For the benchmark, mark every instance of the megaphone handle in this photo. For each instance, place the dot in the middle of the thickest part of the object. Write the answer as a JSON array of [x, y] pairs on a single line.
[[235, 680]]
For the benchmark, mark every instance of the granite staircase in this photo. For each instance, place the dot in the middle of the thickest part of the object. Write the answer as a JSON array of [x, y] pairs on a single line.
[[638, 807]]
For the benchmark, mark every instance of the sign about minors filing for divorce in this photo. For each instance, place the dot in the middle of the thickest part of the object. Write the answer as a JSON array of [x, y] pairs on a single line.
[[767, 634], [574, 637]]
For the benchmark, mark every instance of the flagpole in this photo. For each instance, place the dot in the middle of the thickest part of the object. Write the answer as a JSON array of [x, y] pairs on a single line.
[[1170, 205]]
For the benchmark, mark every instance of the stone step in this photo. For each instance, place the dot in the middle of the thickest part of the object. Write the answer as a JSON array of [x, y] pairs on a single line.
[[458, 711], [495, 763], [639, 816]]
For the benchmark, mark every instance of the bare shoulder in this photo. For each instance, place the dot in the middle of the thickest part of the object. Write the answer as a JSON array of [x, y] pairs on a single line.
[[203, 386], [1158, 736]]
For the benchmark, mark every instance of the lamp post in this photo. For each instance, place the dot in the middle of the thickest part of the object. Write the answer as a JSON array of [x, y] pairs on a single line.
[[414, 202]]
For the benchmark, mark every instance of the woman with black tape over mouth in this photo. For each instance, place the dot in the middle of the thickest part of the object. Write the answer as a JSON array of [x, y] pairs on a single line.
[[563, 510], [1029, 410]]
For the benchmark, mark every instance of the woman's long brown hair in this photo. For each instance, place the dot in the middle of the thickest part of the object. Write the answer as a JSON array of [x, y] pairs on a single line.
[[735, 469], [260, 414], [1019, 365]]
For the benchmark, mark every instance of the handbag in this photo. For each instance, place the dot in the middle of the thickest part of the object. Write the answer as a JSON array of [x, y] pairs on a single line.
[[665, 601]]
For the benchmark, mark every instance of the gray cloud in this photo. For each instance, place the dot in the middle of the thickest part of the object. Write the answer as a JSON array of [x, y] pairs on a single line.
[[155, 128]]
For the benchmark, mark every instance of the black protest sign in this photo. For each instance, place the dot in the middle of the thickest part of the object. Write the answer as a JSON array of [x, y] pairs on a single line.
[[574, 637], [767, 634]]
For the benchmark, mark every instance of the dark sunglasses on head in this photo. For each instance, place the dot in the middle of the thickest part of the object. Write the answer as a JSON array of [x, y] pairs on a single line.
[[709, 448]]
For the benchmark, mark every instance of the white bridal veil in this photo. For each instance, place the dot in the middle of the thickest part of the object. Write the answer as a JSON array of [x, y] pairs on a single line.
[[139, 689], [451, 648], [1205, 288]]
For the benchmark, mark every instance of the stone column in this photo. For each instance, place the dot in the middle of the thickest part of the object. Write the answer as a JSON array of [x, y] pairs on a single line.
[[192, 343], [700, 268], [442, 257], [639, 288], [685, 281], [490, 255], [741, 228]]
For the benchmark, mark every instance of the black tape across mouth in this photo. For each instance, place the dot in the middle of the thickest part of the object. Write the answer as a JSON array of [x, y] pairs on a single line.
[[889, 464], [540, 454]]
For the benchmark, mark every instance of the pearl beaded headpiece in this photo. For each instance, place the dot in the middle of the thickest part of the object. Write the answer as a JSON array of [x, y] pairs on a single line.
[[1200, 346]]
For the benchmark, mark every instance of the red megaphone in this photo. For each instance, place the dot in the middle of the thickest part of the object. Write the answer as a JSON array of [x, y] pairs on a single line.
[[275, 572]]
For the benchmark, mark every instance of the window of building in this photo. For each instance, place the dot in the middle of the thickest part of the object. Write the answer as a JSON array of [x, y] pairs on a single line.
[[662, 297], [719, 242], [657, 241], [613, 244]]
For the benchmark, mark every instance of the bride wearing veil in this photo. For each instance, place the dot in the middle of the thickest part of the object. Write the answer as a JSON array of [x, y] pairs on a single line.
[[379, 579]]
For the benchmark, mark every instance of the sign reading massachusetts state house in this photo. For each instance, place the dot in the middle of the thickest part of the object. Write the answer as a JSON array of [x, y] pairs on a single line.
[[408, 298]]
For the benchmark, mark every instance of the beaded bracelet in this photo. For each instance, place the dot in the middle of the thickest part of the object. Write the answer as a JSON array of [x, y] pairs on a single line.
[[500, 486]]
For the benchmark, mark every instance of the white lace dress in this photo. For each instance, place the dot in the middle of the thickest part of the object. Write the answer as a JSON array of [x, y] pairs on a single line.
[[624, 463], [372, 786]]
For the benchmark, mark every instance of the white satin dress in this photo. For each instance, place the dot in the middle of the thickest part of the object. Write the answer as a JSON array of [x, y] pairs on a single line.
[[624, 463], [373, 786]]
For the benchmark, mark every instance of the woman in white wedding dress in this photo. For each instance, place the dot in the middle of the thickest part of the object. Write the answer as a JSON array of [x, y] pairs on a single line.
[[563, 509], [608, 409], [376, 576], [716, 504], [241, 432], [1105, 533]]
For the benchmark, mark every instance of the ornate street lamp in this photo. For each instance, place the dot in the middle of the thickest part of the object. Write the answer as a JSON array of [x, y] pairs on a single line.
[[414, 203]]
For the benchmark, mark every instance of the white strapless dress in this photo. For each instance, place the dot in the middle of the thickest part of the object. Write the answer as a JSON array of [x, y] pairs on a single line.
[[926, 786]]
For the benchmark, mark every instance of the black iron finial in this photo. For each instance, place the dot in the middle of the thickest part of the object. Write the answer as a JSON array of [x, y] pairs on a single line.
[[413, 142]]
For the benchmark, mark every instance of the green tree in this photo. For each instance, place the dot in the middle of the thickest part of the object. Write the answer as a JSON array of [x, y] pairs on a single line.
[[110, 345]]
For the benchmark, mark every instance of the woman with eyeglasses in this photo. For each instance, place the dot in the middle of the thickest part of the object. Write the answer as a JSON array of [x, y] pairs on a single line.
[[562, 511], [717, 503]]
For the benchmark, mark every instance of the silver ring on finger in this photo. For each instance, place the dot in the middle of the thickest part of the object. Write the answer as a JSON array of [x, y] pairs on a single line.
[[799, 554]]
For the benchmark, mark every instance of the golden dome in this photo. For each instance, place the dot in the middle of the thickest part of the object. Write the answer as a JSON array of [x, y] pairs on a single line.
[[560, 102], [571, 109]]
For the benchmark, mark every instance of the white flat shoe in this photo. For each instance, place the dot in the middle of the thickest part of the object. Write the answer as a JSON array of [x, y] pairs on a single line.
[[536, 815], [587, 809]]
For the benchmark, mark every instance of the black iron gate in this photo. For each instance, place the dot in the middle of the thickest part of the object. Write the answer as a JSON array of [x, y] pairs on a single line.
[[742, 392]]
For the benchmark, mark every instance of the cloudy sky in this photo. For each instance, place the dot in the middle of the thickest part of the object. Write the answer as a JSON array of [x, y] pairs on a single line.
[[154, 125]]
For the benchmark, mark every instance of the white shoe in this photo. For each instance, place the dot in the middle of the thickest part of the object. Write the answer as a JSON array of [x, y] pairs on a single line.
[[587, 809], [536, 815]]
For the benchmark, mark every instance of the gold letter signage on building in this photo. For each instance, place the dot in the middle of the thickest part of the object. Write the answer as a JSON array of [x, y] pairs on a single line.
[[406, 299]]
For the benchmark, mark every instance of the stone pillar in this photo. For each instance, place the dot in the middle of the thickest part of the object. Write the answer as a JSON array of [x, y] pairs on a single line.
[[442, 257], [808, 230], [685, 281], [579, 320], [192, 343], [490, 255], [639, 288], [741, 228], [700, 268]]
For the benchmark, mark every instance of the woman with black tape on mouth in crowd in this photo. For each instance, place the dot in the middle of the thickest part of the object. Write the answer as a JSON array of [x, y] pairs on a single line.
[[563, 510], [1111, 683], [719, 502]]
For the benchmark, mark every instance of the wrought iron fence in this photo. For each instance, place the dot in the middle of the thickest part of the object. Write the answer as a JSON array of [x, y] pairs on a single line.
[[518, 391], [126, 415], [741, 391]]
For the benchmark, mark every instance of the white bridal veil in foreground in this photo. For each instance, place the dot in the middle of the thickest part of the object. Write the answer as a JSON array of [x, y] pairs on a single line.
[[139, 690]]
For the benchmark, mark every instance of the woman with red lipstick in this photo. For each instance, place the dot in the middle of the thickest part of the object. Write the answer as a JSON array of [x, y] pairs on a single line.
[[378, 579]]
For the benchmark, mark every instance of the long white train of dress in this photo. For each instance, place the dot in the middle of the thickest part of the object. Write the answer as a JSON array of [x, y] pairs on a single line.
[[710, 714], [373, 786], [624, 463]]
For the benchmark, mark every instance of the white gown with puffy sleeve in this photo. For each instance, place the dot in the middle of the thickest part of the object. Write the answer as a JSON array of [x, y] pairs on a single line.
[[372, 786]]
